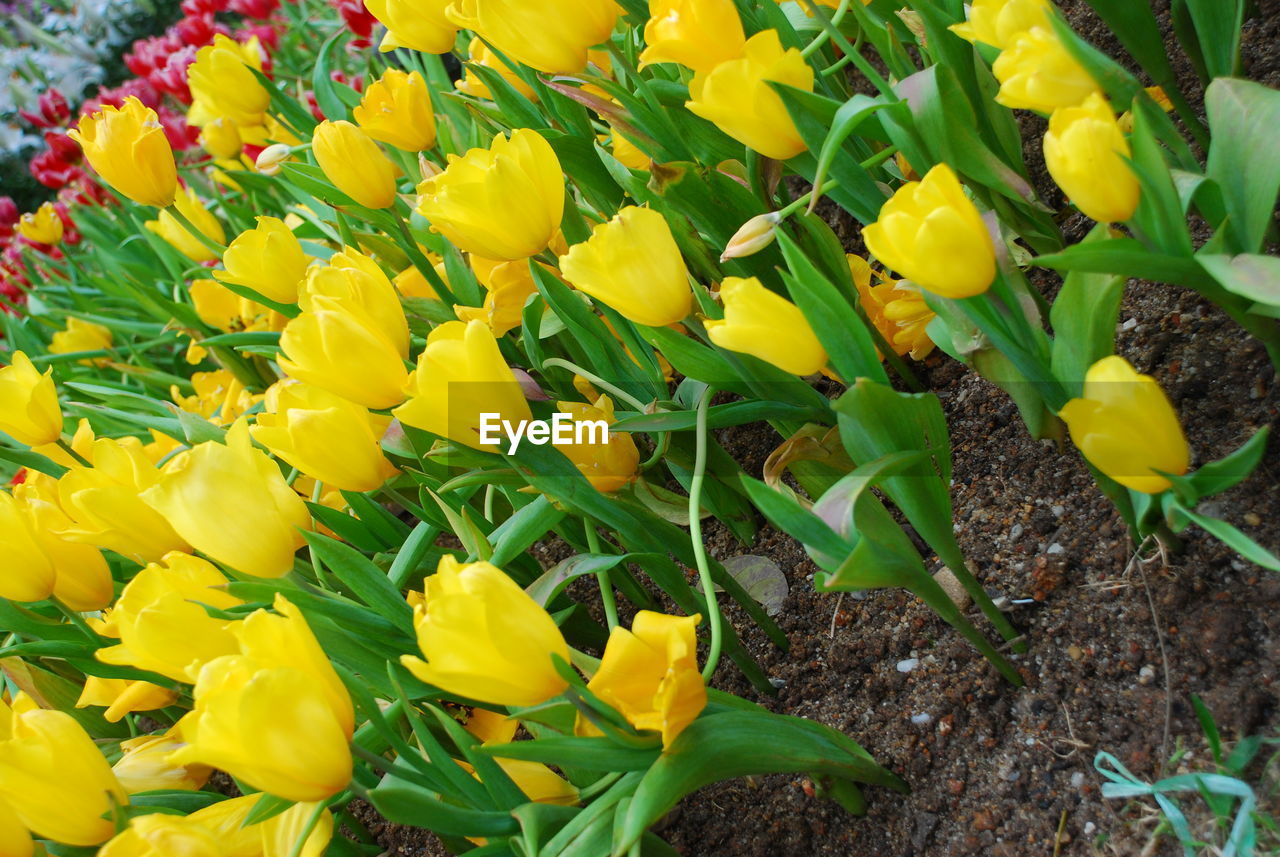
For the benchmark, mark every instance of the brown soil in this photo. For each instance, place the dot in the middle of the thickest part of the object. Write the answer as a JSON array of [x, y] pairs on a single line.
[[1116, 646]]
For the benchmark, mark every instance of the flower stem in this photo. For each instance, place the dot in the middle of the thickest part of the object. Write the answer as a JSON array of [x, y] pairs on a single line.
[[195, 231], [596, 380], [77, 457], [76, 619], [695, 534], [602, 578]]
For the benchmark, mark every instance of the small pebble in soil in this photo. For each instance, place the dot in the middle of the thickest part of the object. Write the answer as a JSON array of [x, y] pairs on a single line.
[[908, 665], [1077, 779], [1089, 828], [922, 719], [1055, 548], [1147, 674]]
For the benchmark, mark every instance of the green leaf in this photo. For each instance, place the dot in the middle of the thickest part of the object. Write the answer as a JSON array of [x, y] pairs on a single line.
[[1249, 275], [322, 83], [719, 416], [402, 802], [591, 754], [529, 524], [1218, 25], [1128, 258], [32, 460], [823, 543], [1229, 471], [365, 579], [1084, 320], [1180, 516]]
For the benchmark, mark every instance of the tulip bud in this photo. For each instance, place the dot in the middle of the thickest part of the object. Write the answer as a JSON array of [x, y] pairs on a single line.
[[221, 138], [1087, 156], [231, 502], [461, 374], [222, 85], [121, 696], [29, 409], [752, 237], [632, 264], [897, 310], [1126, 427], [144, 765], [609, 463], [999, 22], [698, 34], [396, 110], [766, 325], [81, 336], [735, 96], [471, 202], [932, 234], [484, 637], [43, 226], [268, 259], [650, 675], [163, 835], [1037, 72], [128, 148], [565, 29], [272, 157], [419, 25], [355, 164], [179, 237], [508, 285]]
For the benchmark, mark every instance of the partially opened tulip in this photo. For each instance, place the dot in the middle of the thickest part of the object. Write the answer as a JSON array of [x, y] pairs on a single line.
[[698, 34], [223, 85], [999, 22], [231, 501], [484, 638], [122, 696], [81, 336], [764, 324], [44, 557], [1087, 155], [503, 203], [461, 376], [275, 837], [419, 25], [1037, 72], [632, 264], [609, 462], [396, 109], [356, 280], [42, 226], [508, 285], [650, 674], [932, 234], [15, 839], [221, 138], [179, 237], [736, 97], [354, 163], [128, 148], [552, 36], [163, 835], [29, 409], [268, 259], [478, 53], [1126, 427], [145, 766], [897, 309], [340, 347]]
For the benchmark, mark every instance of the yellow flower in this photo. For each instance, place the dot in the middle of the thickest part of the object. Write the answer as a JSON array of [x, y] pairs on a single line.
[[609, 463], [411, 283], [356, 279], [627, 153], [41, 562], [478, 53], [396, 109], [276, 715], [508, 286], [163, 835], [931, 233], [419, 25], [54, 777], [15, 840], [632, 264], [81, 336], [268, 259], [461, 375], [230, 501], [551, 36], [1037, 72], [1126, 427], [221, 138], [699, 34], [29, 409], [222, 85], [752, 236], [735, 97], [999, 22], [161, 624], [127, 147], [766, 325], [144, 765], [897, 310], [274, 837], [121, 696], [504, 202], [43, 226], [355, 164], [1086, 154], [484, 637], [168, 227], [324, 436], [650, 674], [225, 310], [219, 397]]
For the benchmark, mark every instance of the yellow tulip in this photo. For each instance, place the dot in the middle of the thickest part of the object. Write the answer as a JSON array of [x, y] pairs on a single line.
[[53, 776], [144, 765], [396, 109], [276, 715], [268, 259], [221, 308], [1126, 427], [121, 696], [478, 53], [766, 325], [508, 285], [15, 839], [735, 97], [179, 237], [628, 153], [932, 234], [105, 503], [41, 563], [1037, 72], [274, 837], [341, 348], [632, 264], [230, 501], [999, 22], [1086, 154], [81, 336], [753, 236], [222, 85], [163, 835], [43, 226], [504, 202], [127, 147], [356, 280], [161, 624], [650, 674], [219, 397], [609, 464], [484, 637], [461, 375], [29, 409], [354, 163], [550, 35], [411, 283], [419, 25], [897, 310], [698, 34], [221, 139], [324, 436]]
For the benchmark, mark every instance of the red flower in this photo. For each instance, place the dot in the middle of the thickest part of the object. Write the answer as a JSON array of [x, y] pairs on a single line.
[[203, 7], [9, 216], [358, 21], [181, 135], [196, 30], [260, 9], [53, 172], [53, 108]]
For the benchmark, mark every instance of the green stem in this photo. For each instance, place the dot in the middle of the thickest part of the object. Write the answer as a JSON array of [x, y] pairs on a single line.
[[309, 827], [195, 231], [421, 262], [821, 39], [77, 457], [76, 619], [695, 535], [602, 578], [659, 450], [596, 380]]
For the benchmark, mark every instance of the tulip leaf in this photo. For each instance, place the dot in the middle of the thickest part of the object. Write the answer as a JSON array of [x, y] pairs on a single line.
[[409, 557], [1084, 320], [719, 416], [322, 82], [1180, 517], [178, 801], [824, 545], [1129, 258], [1243, 116], [1227, 472], [402, 802], [1251, 276], [529, 524], [33, 461], [1218, 26], [348, 527], [365, 579]]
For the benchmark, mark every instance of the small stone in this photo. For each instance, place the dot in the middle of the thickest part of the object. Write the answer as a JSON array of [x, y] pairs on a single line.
[[922, 719], [1089, 828], [1055, 548], [955, 590], [1015, 532], [1077, 779], [1252, 519], [1147, 674], [984, 819], [1058, 511], [1074, 652], [778, 682], [956, 787], [908, 665]]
